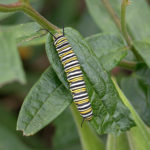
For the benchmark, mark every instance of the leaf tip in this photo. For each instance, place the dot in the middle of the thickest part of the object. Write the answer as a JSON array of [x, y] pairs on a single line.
[[24, 133]]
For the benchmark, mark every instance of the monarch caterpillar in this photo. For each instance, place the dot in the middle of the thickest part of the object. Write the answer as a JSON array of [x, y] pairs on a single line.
[[74, 75]]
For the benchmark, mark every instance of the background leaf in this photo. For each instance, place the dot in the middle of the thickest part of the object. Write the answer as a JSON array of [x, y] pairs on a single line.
[[8, 125], [143, 74], [88, 137], [143, 50], [117, 143], [138, 19], [10, 64], [9, 140], [27, 34], [66, 136], [140, 134], [101, 16], [110, 114], [139, 95], [109, 48], [46, 100], [136, 140]]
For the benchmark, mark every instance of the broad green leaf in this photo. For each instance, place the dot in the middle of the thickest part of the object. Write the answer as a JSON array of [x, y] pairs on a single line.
[[137, 139], [9, 141], [117, 143], [5, 15], [19, 89], [9, 122], [34, 40], [25, 30], [141, 133], [116, 117], [101, 16], [139, 96], [144, 75], [143, 50], [89, 139], [66, 136], [27, 34], [82, 27], [110, 49], [138, 19], [45, 101], [10, 64]]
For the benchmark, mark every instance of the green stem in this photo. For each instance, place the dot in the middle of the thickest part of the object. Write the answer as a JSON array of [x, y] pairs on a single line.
[[130, 65], [112, 13], [123, 22], [27, 9]]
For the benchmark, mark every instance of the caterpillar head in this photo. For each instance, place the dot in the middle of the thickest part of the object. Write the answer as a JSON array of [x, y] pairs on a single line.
[[58, 37]]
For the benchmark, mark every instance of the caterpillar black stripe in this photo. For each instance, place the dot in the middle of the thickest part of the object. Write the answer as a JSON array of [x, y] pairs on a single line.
[[74, 75]]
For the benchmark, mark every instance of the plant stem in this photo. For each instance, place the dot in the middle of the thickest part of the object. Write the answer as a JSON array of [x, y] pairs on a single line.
[[124, 4], [123, 22], [130, 65], [27, 9], [112, 13]]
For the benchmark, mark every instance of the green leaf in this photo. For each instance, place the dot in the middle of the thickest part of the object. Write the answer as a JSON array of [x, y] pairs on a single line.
[[5, 15], [10, 64], [143, 50], [139, 96], [27, 34], [141, 133], [138, 19], [111, 116], [89, 139], [9, 122], [109, 48], [117, 143], [9, 140], [66, 136], [137, 139], [19, 89], [45, 101], [144, 75], [101, 16]]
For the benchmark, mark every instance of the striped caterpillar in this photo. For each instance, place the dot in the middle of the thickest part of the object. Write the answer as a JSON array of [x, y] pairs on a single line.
[[74, 75]]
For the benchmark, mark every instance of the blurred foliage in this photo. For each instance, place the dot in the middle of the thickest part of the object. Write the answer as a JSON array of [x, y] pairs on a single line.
[[101, 52]]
